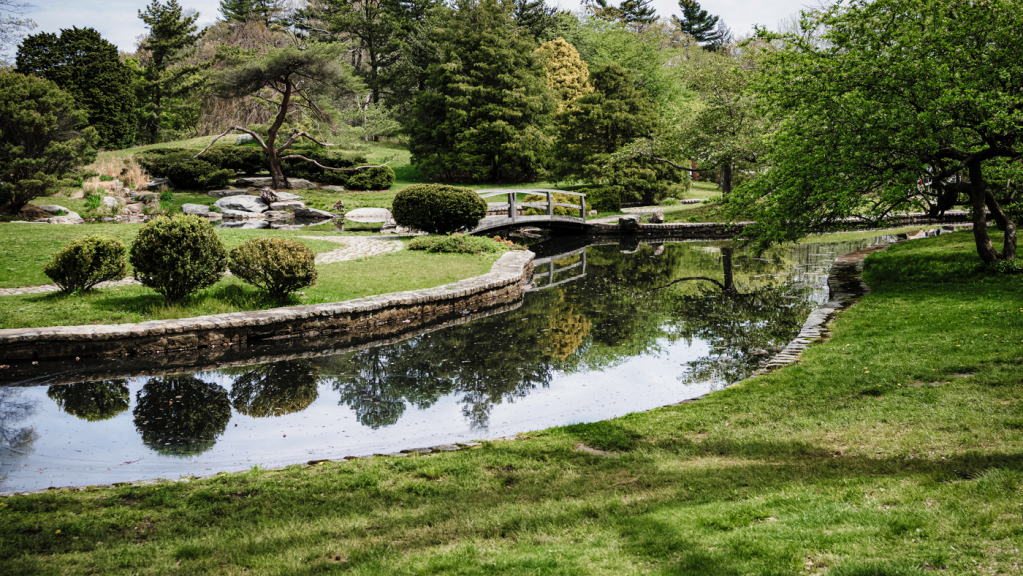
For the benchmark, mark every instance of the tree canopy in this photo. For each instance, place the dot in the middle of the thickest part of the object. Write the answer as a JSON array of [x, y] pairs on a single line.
[[904, 100], [698, 23], [170, 32]]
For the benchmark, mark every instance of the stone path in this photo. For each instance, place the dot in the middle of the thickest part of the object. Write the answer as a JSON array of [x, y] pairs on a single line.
[[353, 247]]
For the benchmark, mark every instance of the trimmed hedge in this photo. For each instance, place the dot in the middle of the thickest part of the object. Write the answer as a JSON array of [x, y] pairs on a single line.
[[275, 265], [86, 262], [178, 256], [438, 208], [459, 244]]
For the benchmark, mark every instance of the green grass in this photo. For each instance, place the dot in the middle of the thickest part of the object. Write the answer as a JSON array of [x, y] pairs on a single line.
[[891, 448], [336, 282]]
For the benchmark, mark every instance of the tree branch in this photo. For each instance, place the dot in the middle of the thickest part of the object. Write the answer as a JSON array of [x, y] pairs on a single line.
[[226, 132], [297, 157]]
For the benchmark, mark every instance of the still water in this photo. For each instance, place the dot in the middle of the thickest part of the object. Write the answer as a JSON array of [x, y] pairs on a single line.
[[615, 329]]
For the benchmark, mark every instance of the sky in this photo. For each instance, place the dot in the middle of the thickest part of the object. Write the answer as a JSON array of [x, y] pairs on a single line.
[[118, 22]]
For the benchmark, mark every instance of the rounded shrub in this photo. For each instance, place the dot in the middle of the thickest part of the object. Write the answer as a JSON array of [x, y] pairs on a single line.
[[86, 262], [605, 198], [438, 208], [274, 265], [381, 178], [177, 256]]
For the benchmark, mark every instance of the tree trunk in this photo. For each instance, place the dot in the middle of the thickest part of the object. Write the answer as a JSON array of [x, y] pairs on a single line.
[[726, 179], [979, 202], [276, 174]]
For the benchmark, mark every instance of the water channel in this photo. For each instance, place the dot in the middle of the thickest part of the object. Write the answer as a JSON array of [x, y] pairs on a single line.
[[615, 329]]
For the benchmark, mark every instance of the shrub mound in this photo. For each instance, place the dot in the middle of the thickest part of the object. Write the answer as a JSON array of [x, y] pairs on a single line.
[[459, 244], [558, 199], [438, 208], [275, 265], [86, 262], [184, 171], [177, 256], [381, 178]]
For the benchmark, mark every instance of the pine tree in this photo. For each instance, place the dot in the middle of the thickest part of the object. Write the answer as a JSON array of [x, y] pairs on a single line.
[[170, 33], [82, 63], [629, 11], [567, 74], [698, 23], [541, 20], [484, 109], [268, 12]]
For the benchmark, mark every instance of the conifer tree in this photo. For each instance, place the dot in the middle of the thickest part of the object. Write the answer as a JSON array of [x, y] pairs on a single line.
[[80, 62], [698, 23], [268, 12], [170, 33], [567, 74], [484, 109], [538, 17], [629, 11]]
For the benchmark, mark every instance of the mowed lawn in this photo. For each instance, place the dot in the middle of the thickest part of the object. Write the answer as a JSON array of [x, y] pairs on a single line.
[[895, 447]]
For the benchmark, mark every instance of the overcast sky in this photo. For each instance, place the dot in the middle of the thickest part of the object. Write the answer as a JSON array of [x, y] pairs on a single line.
[[118, 22]]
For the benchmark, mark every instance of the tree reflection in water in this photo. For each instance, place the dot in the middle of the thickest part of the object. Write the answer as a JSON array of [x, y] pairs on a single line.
[[181, 415], [92, 401], [275, 389], [15, 441]]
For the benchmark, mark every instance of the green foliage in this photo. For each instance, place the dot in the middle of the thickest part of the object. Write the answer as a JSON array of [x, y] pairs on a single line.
[[598, 125], [43, 140], [379, 178], [92, 401], [556, 199], [186, 172], [483, 112], [93, 202], [177, 256], [277, 266], [87, 262], [438, 209], [171, 33], [567, 75], [181, 415], [604, 198], [166, 196], [241, 159], [458, 244], [269, 12], [696, 22], [825, 165], [82, 63], [544, 22], [1006, 266]]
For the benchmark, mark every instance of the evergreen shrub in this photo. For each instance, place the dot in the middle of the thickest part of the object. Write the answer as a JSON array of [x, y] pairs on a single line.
[[275, 265], [438, 208], [381, 178], [178, 256], [458, 244], [86, 262], [184, 171], [241, 159], [604, 198]]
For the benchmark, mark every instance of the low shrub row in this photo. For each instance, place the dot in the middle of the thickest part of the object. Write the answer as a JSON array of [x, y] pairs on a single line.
[[460, 244], [181, 255], [218, 165]]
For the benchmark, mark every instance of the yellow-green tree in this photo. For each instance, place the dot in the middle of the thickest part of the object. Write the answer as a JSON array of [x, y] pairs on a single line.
[[567, 73]]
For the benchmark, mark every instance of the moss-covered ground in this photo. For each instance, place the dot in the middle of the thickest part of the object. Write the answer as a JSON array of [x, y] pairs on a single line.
[[892, 448]]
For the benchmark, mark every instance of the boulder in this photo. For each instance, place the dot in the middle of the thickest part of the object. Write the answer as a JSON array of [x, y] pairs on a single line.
[[200, 209], [158, 183], [242, 204], [312, 214], [591, 213], [147, 197], [268, 195], [286, 205], [369, 215], [628, 223], [134, 207], [300, 184], [287, 196], [241, 215], [333, 188], [226, 193], [254, 181], [70, 218], [215, 216], [657, 218], [278, 215], [244, 139], [53, 209]]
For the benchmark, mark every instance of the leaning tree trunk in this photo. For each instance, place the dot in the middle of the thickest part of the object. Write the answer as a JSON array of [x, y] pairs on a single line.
[[279, 182], [982, 200]]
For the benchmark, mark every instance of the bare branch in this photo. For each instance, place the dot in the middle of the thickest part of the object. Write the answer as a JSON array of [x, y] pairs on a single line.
[[297, 157], [226, 132]]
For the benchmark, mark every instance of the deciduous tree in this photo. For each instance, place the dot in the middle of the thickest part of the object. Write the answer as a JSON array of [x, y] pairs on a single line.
[[567, 74]]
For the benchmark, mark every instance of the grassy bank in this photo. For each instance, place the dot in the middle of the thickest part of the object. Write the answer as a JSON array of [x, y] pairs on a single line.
[[892, 448]]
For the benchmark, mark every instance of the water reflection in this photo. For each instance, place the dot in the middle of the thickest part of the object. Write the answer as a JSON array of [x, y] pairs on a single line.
[[181, 415], [615, 329]]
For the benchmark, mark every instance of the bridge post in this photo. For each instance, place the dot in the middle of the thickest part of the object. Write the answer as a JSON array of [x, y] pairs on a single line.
[[550, 205], [582, 207], [513, 208]]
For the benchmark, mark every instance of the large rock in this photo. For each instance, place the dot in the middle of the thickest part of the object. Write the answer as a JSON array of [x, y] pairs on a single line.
[[286, 205], [278, 215], [226, 193], [369, 215], [147, 197], [333, 188], [134, 207], [657, 218], [267, 182], [312, 214], [628, 223], [242, 204], [70, 218], [157, 183], [300, 184], [244, 139], [241, 215], [200, 209], [215, 216], [53, 209], [287, 196]]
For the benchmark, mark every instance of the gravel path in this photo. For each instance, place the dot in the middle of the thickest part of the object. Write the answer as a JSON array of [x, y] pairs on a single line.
[[352, 247]]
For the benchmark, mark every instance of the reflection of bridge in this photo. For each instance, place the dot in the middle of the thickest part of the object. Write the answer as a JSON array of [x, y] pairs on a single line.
[[552, 270], [506, 214]]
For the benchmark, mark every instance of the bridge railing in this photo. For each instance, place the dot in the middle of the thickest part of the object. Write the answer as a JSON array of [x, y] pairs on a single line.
[[512, 205], [546, 268]]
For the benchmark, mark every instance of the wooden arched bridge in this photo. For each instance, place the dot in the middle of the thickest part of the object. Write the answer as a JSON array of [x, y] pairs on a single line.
[[509, 213]]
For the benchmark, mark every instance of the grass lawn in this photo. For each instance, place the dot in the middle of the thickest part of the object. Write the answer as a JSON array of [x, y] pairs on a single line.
[[396, 272], [892, 448]]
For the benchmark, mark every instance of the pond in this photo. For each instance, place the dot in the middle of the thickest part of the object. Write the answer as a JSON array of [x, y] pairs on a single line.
[[615, 329]]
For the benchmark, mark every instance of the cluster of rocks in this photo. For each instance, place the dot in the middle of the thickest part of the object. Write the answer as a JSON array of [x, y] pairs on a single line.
[[269, 205]]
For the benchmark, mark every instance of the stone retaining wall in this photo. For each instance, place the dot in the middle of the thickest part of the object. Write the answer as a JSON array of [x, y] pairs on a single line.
[[394, 312]]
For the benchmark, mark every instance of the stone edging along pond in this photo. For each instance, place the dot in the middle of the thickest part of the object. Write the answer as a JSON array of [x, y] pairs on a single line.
[[845, 284], [506, 282]]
